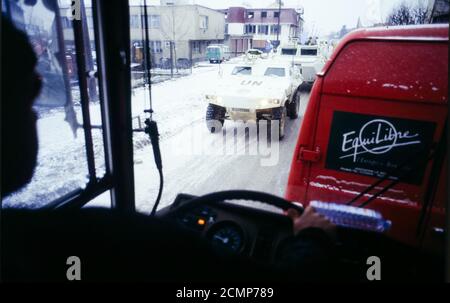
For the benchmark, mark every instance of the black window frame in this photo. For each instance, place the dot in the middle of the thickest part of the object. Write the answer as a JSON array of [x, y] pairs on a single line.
[[114, 78]]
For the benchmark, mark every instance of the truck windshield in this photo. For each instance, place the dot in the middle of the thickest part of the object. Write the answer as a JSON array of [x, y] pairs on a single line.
[[254, 52], [242, 70], [308, 52], [213, 50], [275, 71], [288, 51]]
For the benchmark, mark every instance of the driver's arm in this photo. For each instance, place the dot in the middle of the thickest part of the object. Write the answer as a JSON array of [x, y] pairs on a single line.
[[311, 219], [310, 255]]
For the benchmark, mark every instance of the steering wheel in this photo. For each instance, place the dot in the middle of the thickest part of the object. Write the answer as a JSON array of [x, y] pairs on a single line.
[[221, 196]]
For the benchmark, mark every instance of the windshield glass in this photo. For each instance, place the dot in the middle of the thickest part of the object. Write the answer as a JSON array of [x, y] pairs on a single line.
[[308, 52], [254, 52], [213, 50], [288, 51], [242, 70], [272, 97], [275, 71], [207, 106]]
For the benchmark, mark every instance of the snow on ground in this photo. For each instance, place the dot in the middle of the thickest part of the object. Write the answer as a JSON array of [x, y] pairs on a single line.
[[179, 110], [177, 102]]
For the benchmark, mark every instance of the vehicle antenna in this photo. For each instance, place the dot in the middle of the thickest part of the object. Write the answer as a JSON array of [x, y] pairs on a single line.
[[151, 127]]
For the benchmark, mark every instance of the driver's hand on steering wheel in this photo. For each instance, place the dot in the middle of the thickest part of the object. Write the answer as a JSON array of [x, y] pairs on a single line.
[[310, 218]]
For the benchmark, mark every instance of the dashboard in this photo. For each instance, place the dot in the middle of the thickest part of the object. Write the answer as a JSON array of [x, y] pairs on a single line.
[[233, 228]]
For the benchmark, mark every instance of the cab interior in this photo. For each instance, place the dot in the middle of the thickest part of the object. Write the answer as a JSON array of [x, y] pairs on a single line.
[[120, 243]]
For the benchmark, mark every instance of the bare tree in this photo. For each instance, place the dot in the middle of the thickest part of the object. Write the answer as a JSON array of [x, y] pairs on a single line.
[[421, 14], [405, 14]]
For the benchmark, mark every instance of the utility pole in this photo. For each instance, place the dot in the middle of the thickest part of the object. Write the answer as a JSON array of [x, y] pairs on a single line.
[[171, 58], [92, 85], [71, 116], [172, 44], [278, 25]]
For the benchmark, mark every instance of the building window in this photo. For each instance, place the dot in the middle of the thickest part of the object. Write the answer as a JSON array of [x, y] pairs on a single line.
[[196, 47], [204, 20], [263, 14], [250, 15], [156, 46], [66, 22], [274, 29], [135, 21], [276, 14], [263, 29], [250, 29], [154, 21]]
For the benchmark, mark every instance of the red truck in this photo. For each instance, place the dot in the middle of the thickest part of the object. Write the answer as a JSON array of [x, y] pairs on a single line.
[[374, 131]]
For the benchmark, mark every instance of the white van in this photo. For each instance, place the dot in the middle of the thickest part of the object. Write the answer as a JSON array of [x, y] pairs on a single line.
[[217, 53]]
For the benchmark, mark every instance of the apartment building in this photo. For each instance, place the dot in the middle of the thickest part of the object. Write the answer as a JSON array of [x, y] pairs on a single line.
[[258, 27], [177, 31]]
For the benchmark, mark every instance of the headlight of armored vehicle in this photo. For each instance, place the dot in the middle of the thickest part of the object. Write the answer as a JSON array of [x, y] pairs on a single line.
[[271, 102]]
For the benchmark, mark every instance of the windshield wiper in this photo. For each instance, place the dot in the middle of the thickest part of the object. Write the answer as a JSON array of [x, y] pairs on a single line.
[[438, 153], [388, 176], [151, 128], [241, 70]]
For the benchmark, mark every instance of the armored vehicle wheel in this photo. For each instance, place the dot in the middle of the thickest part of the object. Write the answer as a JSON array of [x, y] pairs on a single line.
[[294, 108], [215, 117]]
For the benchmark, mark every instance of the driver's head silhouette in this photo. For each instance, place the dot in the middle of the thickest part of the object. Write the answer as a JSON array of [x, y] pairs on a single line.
[[20, 86]]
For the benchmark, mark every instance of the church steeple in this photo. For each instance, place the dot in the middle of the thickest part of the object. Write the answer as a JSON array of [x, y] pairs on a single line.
[[359, 24]]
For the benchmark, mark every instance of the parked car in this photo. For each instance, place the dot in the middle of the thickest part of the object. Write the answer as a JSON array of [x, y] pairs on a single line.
[[165, 63], [183, 63], [254, 53]]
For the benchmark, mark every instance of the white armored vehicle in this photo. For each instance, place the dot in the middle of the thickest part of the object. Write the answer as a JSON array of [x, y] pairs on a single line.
[[254, 90], [308, 58]]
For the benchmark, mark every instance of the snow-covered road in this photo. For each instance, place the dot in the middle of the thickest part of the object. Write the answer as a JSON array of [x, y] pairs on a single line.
[[197, 174], [193, 161], [179, 110]]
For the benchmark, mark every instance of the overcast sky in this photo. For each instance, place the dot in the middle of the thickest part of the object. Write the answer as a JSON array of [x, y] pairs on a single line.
[[323, 16]]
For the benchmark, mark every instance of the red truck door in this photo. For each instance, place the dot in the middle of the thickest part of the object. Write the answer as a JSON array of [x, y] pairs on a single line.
[[381, 111]]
